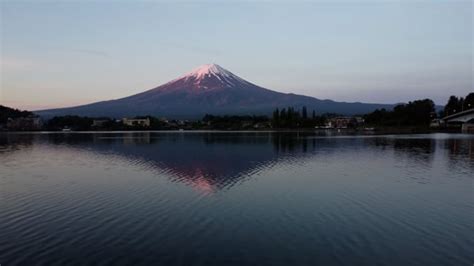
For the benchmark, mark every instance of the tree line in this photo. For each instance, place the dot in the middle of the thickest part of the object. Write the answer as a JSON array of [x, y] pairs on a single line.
[[293, 118], [84, 123], [7, 112], [419, 112], [458, 104], [415, 113]]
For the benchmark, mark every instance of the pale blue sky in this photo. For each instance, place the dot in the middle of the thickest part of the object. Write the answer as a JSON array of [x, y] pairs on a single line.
[[66, 53]]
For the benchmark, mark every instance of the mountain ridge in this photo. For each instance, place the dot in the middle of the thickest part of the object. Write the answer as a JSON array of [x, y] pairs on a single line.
[[209, 89]]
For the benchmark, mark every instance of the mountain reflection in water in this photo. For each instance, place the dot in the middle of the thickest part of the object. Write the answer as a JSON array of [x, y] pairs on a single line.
[[211, 161], [235, 198]]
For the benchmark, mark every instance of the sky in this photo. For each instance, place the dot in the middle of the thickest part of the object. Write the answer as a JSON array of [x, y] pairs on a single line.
[[65, 53]]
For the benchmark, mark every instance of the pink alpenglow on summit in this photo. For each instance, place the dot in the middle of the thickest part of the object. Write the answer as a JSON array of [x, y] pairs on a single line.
[[209, 89], [209, 76], [208, 70]]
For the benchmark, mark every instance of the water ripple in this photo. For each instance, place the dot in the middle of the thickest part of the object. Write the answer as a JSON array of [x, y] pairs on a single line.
[[230, 198]]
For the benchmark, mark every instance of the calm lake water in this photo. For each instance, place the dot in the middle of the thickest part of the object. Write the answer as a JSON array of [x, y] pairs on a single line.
[[149, 198]]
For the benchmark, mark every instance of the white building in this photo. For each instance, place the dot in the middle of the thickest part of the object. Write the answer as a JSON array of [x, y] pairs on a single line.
[[145, 122]]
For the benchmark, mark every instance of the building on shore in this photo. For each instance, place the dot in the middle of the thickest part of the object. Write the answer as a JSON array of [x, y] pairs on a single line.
[[24, 123], [99, 122], [435, 123], [342, 122], [468, 127], [133, 122]]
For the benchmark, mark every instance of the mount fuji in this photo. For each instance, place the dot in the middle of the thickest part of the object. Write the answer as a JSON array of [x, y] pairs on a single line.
[[208, 89]]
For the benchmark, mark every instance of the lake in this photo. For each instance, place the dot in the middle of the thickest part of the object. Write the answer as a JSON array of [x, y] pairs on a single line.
[[230, 198]]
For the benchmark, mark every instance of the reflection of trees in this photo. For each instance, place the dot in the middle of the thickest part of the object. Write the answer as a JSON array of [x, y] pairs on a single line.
[[415, 151], [217, 160], [414, 146], [412, 150], [201, 159], [378, 142], [12, 142], [210, 138], [68, 139], [460, 154], [460, 147], [291, 142]]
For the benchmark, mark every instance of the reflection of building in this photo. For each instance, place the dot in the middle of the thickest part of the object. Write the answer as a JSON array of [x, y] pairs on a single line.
[[24, 123], [137, 138], [461, 147], [145, 122]]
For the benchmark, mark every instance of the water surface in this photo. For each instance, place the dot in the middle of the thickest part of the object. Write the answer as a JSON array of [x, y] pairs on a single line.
[[202, 198]]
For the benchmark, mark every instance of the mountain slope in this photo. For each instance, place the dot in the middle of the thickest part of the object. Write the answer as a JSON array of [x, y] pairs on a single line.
[[208, 89]]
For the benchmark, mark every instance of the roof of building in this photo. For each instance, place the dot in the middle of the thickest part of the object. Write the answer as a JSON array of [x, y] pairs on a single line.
[[466, 112]]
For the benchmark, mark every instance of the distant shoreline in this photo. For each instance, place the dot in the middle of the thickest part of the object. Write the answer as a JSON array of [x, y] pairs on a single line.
[[327, 132]]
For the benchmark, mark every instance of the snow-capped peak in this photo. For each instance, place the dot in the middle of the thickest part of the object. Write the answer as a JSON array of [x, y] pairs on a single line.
[[211, 71], [208, 69]]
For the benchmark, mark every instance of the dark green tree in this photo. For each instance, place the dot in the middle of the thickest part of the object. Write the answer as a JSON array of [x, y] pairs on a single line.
[[469, 101], [69, 121], [276, 118], [416, 113], [7, 112], [283, 118], [304, 113], [453, 106]]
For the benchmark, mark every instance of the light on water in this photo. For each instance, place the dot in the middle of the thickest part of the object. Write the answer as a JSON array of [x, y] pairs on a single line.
[[150, 198]]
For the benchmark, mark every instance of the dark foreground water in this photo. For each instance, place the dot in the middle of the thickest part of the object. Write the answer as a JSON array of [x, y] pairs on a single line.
[[236, 199]]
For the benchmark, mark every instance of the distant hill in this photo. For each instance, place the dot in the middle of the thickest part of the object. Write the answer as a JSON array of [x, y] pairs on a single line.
[[7, 112], [209, 89]]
